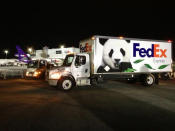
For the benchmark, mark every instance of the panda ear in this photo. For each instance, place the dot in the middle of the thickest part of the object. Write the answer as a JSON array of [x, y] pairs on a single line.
[[102, 40], [128, 41]]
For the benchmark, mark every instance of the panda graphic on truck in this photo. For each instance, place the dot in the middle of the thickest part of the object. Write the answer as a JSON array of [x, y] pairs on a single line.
[[123, 55], [116, 55]]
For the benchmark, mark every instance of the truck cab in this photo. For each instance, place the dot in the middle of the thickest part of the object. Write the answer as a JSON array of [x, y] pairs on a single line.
[[75, 71]]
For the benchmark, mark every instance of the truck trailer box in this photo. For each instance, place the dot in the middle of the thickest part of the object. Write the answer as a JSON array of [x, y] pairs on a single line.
[[127, 55]]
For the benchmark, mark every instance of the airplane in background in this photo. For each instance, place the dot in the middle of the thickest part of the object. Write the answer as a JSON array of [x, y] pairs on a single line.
[[23, 57], [7, 62]]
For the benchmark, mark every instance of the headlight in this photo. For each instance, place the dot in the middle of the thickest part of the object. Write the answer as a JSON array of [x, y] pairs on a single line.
[[36, 73], [27, 73], [55, 75]]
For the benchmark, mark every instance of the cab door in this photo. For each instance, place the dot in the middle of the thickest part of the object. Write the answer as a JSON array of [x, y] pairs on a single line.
[[81, 66]]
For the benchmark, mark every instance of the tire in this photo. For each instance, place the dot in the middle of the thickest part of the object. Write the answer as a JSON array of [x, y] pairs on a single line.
[[66, 84], [148, 80], [166, 76]]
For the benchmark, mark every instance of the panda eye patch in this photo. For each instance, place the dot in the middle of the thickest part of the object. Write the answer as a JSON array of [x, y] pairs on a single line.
[[111, 52], [122, 51]]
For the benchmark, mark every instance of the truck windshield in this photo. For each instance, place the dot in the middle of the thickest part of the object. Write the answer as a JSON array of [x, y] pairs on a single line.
[[68, 60], [33, 64]]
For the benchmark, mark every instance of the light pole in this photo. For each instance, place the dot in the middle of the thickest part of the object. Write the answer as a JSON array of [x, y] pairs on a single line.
[[6, 52], [30, 50], [62, 46]]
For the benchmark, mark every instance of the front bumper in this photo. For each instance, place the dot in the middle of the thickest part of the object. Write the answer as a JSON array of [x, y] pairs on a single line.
[[32, 75], [52, 82]]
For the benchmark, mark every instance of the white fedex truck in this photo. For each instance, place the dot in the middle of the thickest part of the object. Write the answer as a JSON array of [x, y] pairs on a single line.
[[103, 57]]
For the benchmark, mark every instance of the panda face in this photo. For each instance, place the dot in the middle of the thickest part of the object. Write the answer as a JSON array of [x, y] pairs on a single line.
[[114, 58], [115, 52]]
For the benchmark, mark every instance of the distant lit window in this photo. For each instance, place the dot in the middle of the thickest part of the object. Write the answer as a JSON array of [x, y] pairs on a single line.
[[58, 52]]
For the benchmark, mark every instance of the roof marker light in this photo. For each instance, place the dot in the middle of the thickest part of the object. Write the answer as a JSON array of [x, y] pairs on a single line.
[[93, 38], [121, 37], [169, 41]]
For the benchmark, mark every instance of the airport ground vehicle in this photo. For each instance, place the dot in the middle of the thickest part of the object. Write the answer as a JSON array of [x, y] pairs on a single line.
[[36, 69], [104, 57]]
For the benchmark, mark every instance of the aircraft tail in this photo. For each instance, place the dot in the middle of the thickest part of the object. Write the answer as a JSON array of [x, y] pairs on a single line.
[[21, 55]]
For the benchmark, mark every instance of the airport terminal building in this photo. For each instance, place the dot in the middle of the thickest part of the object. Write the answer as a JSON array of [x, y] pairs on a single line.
[[55, 54]]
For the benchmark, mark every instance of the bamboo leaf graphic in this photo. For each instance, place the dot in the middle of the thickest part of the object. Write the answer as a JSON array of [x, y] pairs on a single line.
[[130, 70], [148, 66], [138, 61], [162, 66]]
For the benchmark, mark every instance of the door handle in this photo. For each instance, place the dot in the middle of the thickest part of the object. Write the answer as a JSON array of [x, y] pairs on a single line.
[[86, 70]]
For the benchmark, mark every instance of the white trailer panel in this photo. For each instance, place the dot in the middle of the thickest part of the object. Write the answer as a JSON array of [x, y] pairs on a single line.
[[115, 55]]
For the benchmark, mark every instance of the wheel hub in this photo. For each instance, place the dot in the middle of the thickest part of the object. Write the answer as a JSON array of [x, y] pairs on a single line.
[[150, 80], [67, 84]]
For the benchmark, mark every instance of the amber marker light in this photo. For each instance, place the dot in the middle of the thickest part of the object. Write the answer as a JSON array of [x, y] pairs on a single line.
[[121, 37]]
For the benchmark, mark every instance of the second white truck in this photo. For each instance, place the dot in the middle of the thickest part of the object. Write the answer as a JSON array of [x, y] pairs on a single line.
[[113, 57]]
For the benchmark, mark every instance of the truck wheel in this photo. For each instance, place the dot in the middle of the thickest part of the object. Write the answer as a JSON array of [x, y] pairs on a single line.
[[66, 84], [148, 80]]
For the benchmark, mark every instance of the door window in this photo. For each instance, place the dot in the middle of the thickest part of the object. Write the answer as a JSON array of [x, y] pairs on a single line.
[[80, 60]]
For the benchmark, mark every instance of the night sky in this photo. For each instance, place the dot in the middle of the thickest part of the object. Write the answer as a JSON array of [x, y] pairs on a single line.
[[39, 24]]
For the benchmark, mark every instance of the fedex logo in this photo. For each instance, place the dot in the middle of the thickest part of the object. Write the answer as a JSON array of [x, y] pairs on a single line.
[[85, 48], [154, 51]]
